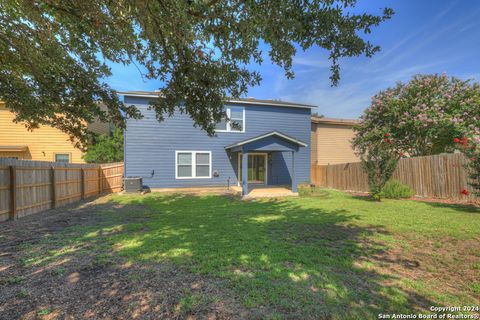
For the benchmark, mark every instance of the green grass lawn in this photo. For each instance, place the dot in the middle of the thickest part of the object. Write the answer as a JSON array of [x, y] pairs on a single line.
[[331, 255]]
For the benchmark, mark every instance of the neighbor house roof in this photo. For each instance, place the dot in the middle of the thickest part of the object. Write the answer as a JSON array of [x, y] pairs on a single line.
[[13, 148], [346, 122], [269, 102], [266, 135]]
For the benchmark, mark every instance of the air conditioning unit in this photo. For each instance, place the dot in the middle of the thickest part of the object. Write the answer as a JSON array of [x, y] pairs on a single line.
[[133, 184]]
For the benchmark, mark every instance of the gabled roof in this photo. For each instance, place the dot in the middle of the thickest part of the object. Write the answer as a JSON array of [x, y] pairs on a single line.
[[266, 135], [267, 102]]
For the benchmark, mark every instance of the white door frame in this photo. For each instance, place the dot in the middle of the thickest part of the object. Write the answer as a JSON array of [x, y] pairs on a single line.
[[265, 154]]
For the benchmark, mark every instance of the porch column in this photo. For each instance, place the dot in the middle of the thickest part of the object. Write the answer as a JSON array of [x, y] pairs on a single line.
[[294, 180], [244, 172]]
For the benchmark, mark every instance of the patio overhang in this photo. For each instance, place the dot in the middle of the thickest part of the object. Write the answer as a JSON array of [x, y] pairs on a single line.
[[271, 141]]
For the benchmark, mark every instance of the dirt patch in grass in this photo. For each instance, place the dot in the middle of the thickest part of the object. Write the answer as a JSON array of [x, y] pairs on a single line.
[[449, 265], [45, 276], [116, 292], [473, 203]]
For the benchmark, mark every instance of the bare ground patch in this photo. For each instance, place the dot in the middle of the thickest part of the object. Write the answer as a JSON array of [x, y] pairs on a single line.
[[42, 277], [451, 266], [474, 203]]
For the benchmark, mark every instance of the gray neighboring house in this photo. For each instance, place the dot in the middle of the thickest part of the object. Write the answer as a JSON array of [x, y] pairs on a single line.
[[269, 145]]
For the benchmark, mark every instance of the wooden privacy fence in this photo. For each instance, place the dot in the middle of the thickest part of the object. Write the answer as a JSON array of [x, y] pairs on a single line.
[[28, 187], [439, 176]]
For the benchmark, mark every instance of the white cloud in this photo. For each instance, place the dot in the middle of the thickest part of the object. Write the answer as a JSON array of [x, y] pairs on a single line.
[[316, 62]]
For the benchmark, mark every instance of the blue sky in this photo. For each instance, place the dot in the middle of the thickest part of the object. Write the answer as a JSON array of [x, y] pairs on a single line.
[[422, 37]]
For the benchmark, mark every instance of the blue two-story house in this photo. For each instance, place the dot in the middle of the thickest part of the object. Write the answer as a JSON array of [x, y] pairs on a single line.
[[265, 142]]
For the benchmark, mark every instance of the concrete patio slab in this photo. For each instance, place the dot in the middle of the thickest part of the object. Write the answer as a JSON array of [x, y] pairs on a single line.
[[267, 192]]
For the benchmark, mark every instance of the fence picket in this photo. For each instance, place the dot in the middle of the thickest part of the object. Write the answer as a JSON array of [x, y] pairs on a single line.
[[440, 176], [28, 187]]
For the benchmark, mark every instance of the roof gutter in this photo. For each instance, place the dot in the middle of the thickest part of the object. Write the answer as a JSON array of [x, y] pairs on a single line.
[[138, 95], [304, 106], [344, 122], [273, 103]]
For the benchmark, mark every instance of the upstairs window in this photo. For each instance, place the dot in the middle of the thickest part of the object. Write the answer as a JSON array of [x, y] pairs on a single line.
[[236, 122]]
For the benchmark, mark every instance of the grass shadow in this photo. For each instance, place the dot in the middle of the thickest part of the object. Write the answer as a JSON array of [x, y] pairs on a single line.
[[466, 208], [278, 255], [282, 258]]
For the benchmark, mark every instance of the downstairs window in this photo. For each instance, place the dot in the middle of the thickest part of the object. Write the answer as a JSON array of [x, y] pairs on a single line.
[[193, 164]]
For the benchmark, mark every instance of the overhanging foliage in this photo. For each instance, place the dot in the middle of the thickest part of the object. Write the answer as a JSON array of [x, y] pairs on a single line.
[[54, 53]]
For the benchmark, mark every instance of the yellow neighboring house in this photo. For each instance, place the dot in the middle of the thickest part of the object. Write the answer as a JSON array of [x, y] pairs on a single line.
[[42, 144], [331, 141]]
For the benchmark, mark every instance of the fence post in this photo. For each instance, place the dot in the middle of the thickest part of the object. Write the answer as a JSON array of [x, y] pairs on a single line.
[[100, 184], [54, 196], [82, 173], [13, 192], [326, 175]]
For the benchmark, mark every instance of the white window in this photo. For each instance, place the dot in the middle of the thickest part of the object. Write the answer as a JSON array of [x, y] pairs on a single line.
[[236, 122], [193, 164], [62, 157]]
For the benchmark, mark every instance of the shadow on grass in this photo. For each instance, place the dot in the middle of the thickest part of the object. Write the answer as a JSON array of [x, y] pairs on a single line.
[[468, 208], [278, 255], [281, 258], [364, 197]]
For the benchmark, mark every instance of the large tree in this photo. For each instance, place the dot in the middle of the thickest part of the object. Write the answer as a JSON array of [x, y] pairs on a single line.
[[430, 114], [423, 116], [54, 53], [105, 148]]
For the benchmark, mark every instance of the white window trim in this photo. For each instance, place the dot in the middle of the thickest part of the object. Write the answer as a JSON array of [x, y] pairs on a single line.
[[229, 129], [69, 154], [194, 164]]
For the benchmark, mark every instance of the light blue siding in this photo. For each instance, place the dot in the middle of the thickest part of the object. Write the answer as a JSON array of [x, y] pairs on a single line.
[[150, 146]]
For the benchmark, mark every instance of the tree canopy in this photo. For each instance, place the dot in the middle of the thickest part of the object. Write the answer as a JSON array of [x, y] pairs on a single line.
[[421, 117], [430, 114], [106, 148], [54, 54]]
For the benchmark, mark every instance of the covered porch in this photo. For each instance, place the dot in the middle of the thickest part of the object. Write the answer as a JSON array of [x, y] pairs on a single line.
[[257, 158]]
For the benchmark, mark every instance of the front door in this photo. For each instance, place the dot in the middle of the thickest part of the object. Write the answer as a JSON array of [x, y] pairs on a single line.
[[257, 168]]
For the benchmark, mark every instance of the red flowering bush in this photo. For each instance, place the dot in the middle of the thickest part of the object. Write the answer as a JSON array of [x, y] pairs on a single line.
[[471, 148]]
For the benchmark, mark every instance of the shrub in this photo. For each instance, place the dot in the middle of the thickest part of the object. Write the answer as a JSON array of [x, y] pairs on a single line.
[[304, 191], [379, 162], [311, 191], [471, 149], [394, 189]]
